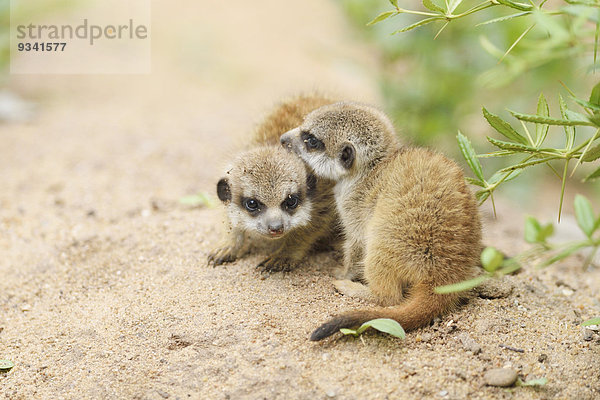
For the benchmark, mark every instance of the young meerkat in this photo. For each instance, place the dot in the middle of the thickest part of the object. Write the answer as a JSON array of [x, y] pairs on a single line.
[[410, 221], [274, 205]]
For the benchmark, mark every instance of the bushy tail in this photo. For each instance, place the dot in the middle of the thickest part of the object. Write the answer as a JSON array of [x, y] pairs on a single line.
[[420, 308]]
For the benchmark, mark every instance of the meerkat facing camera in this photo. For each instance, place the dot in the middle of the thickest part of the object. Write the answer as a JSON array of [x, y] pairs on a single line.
[[274, 205], [410, 221]]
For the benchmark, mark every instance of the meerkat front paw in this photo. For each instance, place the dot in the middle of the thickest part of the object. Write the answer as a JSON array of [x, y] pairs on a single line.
[[276, 264], [222, 256], [353, 289]]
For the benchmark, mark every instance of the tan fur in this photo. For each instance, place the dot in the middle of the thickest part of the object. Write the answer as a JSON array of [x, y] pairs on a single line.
[[270, 175], [411, 223], [286, 115]]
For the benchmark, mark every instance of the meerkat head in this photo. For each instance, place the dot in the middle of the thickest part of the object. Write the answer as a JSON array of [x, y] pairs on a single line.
[[342, 139], [267, 192]]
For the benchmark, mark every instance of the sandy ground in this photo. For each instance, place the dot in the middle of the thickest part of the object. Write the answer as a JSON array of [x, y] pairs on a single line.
[[104, 289]]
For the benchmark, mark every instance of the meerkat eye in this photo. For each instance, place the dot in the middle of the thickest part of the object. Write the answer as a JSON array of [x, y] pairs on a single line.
[[251, 205], [291, 202], [312, 143]]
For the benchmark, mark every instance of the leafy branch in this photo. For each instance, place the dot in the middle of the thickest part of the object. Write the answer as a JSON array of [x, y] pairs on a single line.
[[531, 147], [561, 38]]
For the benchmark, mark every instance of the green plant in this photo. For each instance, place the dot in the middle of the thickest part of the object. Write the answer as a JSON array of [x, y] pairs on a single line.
[[201, 199], [495, 265], [532, 382], [589, 322], [533, 149], [589, 224], [558, 33], [385, 325]]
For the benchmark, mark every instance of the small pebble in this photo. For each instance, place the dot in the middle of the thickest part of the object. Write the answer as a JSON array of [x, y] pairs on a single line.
[[443, 393], [469, 343], [542, 357], [330, 393], [162, 394], [588, 335], [502, 377], [426, 337]]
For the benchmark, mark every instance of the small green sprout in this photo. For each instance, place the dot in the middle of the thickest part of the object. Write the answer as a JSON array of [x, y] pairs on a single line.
[[6, 365], [532, 382], [385, 325], [593, 321], [201, 199]]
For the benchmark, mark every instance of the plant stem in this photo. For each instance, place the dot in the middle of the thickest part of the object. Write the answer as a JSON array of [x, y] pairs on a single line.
[[590, 258], [562, 189]]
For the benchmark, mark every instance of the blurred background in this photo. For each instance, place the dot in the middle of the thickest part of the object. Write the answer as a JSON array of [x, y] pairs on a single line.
[[218, 67]]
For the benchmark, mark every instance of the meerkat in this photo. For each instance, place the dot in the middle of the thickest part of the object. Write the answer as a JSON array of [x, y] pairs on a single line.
[[410, 221], [274, 204]]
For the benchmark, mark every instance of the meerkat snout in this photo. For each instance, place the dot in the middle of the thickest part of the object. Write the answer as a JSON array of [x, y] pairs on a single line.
[[286, 140]]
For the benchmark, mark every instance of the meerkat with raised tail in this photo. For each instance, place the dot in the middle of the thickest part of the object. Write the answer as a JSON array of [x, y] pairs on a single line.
[[274, 204], [410, 221]]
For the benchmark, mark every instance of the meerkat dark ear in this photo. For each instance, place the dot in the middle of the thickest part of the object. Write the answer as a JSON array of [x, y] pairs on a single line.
[[347, 156], [311, 185], [223, 190]]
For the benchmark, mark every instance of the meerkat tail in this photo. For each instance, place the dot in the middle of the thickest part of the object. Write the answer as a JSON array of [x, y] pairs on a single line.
[[420, 308]]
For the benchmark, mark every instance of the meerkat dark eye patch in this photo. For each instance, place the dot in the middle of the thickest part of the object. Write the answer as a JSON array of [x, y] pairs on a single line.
[[224, 190], [292, 201], [253, 206], [312, 143], [347, 156]]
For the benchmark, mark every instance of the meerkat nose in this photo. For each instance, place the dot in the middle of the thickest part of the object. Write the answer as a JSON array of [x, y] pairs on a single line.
[[285, 140], [276, 228]]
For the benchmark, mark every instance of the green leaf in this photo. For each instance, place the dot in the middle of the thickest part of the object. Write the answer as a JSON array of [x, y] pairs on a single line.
[[547, 120], [394, 3], [586, 104], [569, 130], [532, 230], [528, 163], [462, 286], [595, 119], [475, 182], [382, 16], [592, 154], [541, 130], [510, 145], [546, 231], [470, 156], [418, 24], [197, 200], [482, 195], [453, 4], [433, 7], [505, 18], [515, 5], [503, 127], [385, 325], [593, 321], [491, 259], [6, 365], [593, 175], [585, 215], [348, 331], [502, 175], [533, 382], [595, 95]]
